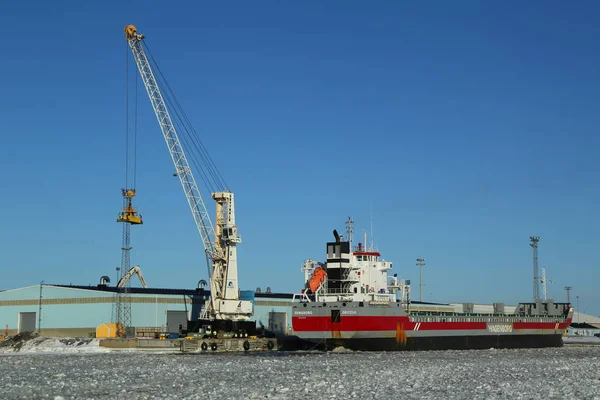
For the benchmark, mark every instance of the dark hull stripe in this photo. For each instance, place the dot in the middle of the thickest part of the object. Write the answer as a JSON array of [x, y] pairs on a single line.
[[444, 343]]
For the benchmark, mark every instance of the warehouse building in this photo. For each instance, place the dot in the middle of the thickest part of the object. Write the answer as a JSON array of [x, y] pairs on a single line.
[[69, 310]]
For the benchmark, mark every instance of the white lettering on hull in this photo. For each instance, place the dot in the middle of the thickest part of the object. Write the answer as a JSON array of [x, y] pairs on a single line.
[[500, 328]]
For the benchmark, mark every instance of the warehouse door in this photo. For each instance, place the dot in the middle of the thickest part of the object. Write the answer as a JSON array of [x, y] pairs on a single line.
[[27, 322], [176, 318], [277, 322]]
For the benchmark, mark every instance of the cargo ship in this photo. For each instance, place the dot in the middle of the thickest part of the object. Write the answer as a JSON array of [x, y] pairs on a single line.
[[350, 301]]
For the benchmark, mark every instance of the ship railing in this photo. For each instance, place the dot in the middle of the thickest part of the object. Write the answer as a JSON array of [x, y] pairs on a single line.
[[333, 298], [365, 249], [301, 298], [485, 317], [337, 291], [348, 279], [380, 299]]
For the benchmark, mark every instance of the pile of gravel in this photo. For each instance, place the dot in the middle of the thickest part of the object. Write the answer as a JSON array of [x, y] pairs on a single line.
[[17, 341]]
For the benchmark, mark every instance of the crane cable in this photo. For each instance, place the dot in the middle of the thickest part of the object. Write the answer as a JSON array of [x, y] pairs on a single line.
[[126, 120], [135, 122], [195, 149], [200, 157], [127, 125]]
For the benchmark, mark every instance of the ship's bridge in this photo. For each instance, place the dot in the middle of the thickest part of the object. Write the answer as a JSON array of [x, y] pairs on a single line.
[[363, 254], [367, 255]]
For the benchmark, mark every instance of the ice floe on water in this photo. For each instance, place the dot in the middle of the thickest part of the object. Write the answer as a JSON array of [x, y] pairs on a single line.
[[558, 373]]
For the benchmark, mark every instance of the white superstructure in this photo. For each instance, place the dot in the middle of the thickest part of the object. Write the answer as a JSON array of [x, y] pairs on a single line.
[[353, 274]]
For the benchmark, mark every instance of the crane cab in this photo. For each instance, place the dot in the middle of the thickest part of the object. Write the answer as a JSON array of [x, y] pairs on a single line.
[[231, 234]]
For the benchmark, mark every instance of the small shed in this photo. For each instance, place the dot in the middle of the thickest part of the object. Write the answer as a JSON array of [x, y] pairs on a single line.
[[106, 330]]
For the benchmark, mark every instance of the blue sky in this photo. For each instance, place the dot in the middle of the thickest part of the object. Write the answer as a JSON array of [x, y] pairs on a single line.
[[460, 128]]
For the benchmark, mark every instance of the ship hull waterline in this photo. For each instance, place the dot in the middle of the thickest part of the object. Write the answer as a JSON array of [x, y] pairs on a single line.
[[439, 343], [365, 327]]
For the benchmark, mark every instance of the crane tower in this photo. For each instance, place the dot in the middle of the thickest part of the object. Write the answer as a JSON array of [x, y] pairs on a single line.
[[219, 241], [128, 216]]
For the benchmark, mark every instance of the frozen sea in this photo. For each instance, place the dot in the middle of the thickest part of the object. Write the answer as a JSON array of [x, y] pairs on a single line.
[[565, 373]]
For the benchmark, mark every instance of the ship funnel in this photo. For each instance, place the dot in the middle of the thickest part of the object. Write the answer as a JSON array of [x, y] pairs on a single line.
[[337, 236]]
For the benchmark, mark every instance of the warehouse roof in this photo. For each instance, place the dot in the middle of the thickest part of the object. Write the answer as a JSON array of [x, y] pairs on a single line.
[[168, 291]]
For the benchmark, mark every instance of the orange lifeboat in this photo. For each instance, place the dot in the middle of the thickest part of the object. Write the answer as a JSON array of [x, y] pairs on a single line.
[[318, 276]]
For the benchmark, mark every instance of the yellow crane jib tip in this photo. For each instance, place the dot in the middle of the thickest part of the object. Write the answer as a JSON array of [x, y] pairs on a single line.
[[131, 33]]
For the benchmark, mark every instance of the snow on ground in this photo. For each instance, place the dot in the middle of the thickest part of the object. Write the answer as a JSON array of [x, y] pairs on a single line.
[[581, 340], [51, 345], [571, 372]]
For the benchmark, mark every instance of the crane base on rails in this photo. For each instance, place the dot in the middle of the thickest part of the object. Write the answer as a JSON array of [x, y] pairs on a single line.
[[213, 327]]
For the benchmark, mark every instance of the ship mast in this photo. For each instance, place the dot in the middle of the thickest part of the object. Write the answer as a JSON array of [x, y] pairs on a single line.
[[350, 230]]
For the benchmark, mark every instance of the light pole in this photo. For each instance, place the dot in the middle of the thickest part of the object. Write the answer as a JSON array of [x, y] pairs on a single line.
[[40, 309], [568, 289], [577, 297], [420, 263], [536, 279]]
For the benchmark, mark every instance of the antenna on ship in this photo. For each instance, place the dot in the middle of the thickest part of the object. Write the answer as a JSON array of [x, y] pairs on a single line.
[[350, 230], [372, 240]]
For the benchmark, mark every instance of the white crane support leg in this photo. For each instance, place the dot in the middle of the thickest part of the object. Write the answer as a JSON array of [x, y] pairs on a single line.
[[225, 274]]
